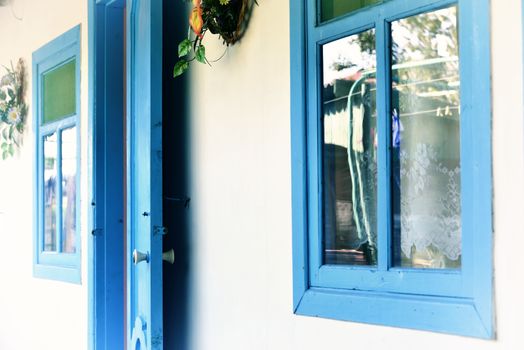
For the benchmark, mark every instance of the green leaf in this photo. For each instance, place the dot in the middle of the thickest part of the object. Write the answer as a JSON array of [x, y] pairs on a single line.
[[180, 68], [184, 48], [2, 95], [11, 150], [200, 54], [11, 93], [11, 129]]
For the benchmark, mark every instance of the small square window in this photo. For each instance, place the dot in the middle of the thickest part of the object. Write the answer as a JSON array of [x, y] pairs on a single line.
[[56, 114]]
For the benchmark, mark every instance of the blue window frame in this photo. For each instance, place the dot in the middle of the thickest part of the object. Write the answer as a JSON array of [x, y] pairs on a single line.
[[456, 299], [56, 123]]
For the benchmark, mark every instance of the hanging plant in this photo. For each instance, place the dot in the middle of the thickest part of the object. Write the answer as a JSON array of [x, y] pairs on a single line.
[[227, 18], [13, 109]]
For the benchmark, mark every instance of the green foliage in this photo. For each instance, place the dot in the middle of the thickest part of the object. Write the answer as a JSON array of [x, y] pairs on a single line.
[[222, 17], [188, 48], [180, 67], [200, 54], [184, 48], [13, 109]]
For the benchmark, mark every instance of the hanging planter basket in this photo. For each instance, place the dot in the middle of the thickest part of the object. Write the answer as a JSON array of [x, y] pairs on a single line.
[[230, 23], [227, 18]]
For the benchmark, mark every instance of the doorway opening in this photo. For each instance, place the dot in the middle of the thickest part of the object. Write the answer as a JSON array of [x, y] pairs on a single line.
[[177, 202]]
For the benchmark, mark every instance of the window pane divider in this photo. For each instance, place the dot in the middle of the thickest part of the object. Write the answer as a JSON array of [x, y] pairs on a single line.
[[59, 192], [314, 132], [384, 141]]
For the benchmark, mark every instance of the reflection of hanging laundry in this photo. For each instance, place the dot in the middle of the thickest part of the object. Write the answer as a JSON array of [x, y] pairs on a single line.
[[362, 170], [397, 128], [357, 142], [69, 214], [49, 190]]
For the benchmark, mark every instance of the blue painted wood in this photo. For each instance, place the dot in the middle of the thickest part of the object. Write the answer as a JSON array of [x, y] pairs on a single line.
[[468, 290], [91, 168], [106, 175], [438, 314], [298, 151], [384, 140], [144, 178], [54, 265], [113, 182], [476, 156]]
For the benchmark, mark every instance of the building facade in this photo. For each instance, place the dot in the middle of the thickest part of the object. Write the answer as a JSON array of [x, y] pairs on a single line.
[[228, 180]]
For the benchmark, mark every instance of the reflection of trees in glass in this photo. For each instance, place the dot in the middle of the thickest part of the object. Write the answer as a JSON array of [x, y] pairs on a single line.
[[366, 42], [426, 36], [425, 52], [429, 35]]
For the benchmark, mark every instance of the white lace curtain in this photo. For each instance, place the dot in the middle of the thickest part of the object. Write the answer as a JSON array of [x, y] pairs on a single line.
[[425, 183]]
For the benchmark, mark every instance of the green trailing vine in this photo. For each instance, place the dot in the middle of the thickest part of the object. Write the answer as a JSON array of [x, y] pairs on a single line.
[[13, 109], [227, 18]]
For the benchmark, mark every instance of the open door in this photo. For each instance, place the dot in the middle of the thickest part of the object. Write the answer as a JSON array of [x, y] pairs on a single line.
[[144, 174]]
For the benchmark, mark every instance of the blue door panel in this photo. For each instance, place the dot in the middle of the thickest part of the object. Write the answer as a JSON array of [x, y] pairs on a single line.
[[144, 137]]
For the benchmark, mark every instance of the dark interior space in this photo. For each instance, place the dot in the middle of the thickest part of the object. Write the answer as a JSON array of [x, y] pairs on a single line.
[[175, 182]]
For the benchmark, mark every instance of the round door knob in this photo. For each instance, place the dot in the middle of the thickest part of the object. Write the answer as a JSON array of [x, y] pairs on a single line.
[[139, 257], [169, 256]]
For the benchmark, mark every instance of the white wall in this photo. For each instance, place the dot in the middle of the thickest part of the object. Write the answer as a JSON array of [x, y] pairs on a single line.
[[241, 200], [36, 313]]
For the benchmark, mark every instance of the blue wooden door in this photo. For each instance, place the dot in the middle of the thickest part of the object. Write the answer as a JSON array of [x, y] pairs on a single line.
[[144, 174]]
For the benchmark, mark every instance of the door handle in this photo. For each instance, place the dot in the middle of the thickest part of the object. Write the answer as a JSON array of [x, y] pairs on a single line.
[[169, 256], [139, 257]]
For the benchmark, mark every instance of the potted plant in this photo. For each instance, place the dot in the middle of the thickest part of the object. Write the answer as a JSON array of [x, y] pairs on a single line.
[[227, 18]]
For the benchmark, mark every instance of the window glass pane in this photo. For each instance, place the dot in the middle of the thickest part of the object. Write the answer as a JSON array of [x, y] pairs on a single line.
[[350, 150], [426, 141], [69, 173], [50, 192], [334, 8], [59, 92]]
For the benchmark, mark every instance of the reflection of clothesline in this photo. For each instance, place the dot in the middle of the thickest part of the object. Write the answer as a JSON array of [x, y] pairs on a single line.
[[442, 112], [397, 86], [428, 81], [439, 112]]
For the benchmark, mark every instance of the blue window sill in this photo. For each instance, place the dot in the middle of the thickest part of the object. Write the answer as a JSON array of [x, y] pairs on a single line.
[[438, 314], [57, 273]]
